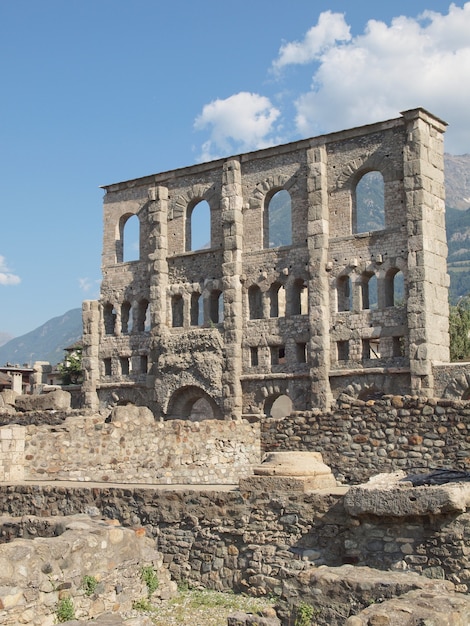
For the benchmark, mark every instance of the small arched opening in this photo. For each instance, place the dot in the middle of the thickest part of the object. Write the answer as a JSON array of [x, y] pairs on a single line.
[[255, 303], [193, 404], [278, 406]]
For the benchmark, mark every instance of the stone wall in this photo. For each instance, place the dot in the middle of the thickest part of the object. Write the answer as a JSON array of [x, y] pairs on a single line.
[[261, 541], [360, 439], [130, 448], [251, 317]]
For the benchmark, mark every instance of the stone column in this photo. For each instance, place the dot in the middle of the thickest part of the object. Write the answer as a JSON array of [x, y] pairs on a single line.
[[232, 221], [318, 288], [158, 271], [90, 353], [427, 305]]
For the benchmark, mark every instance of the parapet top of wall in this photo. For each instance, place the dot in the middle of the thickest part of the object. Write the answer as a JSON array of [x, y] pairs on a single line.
[[303, 144]]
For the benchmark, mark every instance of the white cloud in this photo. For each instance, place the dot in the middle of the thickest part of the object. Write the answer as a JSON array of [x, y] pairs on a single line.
[[88, 284], [391, 68], [241, 122], [6, 276], [331, 28]]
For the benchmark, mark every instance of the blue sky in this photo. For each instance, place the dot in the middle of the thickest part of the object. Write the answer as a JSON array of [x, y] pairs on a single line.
[[98, 91]]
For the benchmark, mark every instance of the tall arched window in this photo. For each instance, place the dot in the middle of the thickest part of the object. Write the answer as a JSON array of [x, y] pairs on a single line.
[[255, 302], [216, 306], [109, 318], [278, 220], [369, 291], [344, 293], [143, 321], [126, 327], [130, 238], [394, 288], [177, 311], [198, 226], [277, 300], [299, 302], [368, 205], [197, 309]]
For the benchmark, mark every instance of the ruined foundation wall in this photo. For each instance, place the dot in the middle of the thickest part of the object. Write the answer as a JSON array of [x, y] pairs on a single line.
[[238, 540], [130, 451], [360, 439]]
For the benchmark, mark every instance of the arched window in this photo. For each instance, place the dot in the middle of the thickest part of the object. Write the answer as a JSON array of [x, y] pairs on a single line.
[[125, 318], [197, 310], [198, 226], [344, 293], [394, 288], [278, 220], [277, 300], [143, 317], [109, 318], [177, 311], [299, 302], [255, 302], [369, 291], [216, 306], [130, 238], [368, 205]]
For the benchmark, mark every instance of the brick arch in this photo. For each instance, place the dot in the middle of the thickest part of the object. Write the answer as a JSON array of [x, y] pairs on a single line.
[[196, 194], [270, 185], [182, 403], [353, 171]]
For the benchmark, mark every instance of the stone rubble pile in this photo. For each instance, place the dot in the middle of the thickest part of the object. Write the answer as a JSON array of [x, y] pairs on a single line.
[[96, 564]]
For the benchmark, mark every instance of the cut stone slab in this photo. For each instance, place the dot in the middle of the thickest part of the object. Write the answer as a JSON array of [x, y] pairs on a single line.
[[290, 471], [391, 495]]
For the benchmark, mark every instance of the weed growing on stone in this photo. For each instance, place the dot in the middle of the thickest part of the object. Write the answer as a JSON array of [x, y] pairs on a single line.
[[304, 614], [65, 610], [150, 578], [89, 584]]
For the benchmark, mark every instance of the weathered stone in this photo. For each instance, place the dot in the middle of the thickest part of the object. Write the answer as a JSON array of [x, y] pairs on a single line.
[[55, 400], [392, 495]]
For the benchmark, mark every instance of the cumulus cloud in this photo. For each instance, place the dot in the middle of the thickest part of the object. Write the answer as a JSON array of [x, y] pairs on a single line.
[[241, 122], [6, 276], [330, 29], [422, 61]]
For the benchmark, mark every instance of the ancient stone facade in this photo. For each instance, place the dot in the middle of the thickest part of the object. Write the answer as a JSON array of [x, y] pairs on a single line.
[[249, 326]]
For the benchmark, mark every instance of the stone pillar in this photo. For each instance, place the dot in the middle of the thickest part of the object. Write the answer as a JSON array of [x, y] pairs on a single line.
[[318, 289], [17, 382], [158, 271], [428, 281], [232, 221], [90, 352]]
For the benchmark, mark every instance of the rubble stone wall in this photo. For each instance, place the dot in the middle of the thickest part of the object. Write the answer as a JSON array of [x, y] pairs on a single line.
[[359, 439], [130, 450], [228, 539]]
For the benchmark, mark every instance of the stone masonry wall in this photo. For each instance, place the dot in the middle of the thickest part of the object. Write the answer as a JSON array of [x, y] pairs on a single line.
[[132, 448], [360, 439], [233, 540]]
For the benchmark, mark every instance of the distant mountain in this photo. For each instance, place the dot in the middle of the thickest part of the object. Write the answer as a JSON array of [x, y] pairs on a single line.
[[457, 177], [46, 343], [457, 180], [4, 337]]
